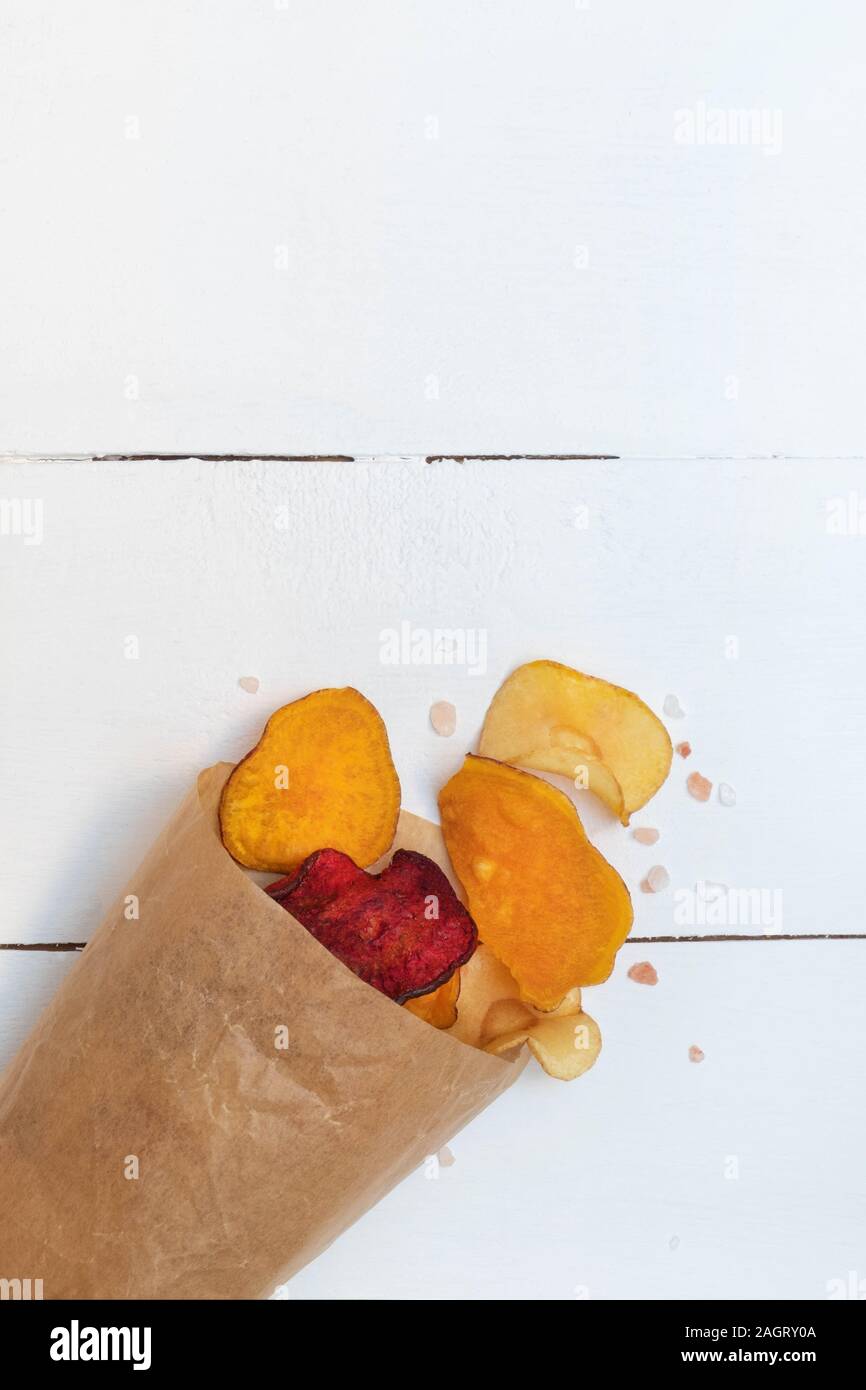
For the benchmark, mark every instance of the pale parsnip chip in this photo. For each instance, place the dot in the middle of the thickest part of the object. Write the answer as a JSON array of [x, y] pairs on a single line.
[[490, 1002], [484, 981], [554, 719], [566, 1046]]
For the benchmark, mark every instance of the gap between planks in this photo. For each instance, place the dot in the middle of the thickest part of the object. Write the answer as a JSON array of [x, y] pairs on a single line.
[[220, 458], [630, 941], [347, 458], [192, 456]]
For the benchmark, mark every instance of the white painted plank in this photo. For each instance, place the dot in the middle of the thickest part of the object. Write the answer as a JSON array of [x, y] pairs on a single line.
[[290, 572], [28, 980], [621, 1185], [432, 227]]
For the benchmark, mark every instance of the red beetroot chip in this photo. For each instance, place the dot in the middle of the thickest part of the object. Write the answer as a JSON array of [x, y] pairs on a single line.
[[404, 930]]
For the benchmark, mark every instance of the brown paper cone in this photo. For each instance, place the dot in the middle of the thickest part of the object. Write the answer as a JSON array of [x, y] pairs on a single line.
[[161, 1048]]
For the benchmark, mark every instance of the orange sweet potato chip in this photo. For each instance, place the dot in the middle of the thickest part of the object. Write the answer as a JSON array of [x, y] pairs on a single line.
[[440, 1007], [544, 900], [555, 719], [320, 775]]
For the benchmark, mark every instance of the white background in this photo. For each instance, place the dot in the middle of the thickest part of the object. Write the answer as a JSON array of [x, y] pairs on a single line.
[[403, 230]]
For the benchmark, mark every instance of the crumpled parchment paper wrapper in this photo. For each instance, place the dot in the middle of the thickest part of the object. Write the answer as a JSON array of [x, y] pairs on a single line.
[[160, 1047]]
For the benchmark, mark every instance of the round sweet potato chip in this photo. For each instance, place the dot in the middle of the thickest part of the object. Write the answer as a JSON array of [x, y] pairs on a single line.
[[321, 774]]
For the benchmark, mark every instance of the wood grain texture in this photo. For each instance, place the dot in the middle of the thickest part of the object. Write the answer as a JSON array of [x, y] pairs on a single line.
[[645, 574], [432, 227]]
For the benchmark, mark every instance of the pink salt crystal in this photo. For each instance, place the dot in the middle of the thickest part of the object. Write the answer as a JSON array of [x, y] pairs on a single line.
[[699, 787], [249, 683], [695, 1054], [446, 1158], [643, 973], [645, 836], [443, 717], [658, 879], [684, 749]]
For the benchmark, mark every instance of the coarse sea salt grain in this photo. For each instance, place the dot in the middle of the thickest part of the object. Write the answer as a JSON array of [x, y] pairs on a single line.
[[643, 973], [727, 795], [443, 718], [645, 835], [699, 787], [249, 683], [658, 878], [672, 707]]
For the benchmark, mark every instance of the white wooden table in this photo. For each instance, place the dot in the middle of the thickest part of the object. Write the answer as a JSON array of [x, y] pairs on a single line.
[[403, 234]]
